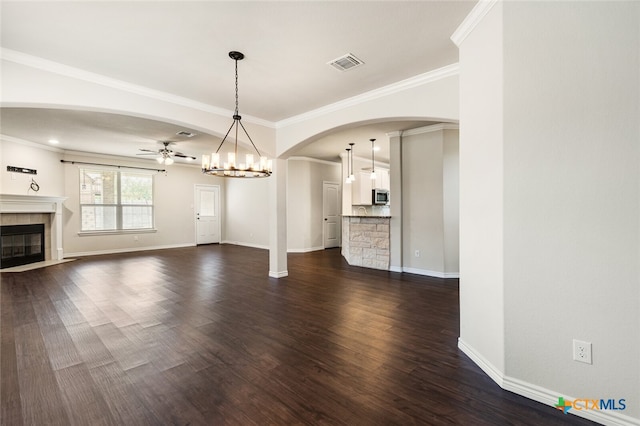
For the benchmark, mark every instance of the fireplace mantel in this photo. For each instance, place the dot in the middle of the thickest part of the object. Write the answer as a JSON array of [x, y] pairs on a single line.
[[15, 203]]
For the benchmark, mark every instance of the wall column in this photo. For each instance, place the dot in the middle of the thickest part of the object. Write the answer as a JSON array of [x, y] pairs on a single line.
[[395, 225], [278, 220]]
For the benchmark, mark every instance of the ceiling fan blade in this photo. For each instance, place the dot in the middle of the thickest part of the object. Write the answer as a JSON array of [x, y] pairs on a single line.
[[149, 150], [148, 153], [181, 155]]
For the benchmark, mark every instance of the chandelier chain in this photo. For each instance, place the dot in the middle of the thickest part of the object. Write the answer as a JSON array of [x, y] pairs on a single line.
[[236, 86]]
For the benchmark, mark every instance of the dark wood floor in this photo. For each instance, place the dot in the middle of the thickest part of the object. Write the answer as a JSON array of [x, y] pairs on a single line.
[[202, 336]]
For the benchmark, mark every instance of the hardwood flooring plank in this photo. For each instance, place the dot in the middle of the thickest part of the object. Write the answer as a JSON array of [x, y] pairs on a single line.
[[83, 402], [11, 407], [121, 396], [39, 392], [164, 400], [59, 345]]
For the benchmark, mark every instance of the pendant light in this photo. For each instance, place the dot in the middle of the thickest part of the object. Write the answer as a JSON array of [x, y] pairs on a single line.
[[348, 179], [350, 176], [373, 161], [260, 167]]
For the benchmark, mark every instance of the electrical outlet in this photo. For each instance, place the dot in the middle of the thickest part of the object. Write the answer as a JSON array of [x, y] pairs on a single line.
[[417, 253], [582, 351]]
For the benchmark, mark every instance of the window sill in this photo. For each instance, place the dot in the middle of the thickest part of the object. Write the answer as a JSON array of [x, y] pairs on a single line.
[[117, 232]]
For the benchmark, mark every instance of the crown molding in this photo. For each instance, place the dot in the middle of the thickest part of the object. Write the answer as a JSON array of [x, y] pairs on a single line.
[[91, 77], [472, 20], [418, 80], [315, 160], [29, 143], [432, 128]]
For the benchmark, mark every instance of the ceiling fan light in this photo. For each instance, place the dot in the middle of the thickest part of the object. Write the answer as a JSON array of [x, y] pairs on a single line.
[[168, 161], [160, 160]]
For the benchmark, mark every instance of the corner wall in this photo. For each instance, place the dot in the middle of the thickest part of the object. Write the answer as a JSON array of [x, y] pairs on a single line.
[[550, 200], [429, 168]]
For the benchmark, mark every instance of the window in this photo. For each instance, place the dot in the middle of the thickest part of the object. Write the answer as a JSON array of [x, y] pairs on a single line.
[[114, 200]]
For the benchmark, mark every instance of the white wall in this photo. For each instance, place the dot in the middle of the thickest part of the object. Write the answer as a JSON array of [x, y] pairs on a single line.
[[422, 209], [45, 161], [451, 200], [550, 200], [430, 201], [571, 210], [433, 96], [481, 193], [246, 212], [305, 202]]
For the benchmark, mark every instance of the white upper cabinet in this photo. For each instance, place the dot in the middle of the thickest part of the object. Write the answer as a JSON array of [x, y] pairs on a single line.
[[361, 188]]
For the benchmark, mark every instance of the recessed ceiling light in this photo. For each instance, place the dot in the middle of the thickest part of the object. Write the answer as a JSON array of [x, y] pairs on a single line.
[[54, 141]]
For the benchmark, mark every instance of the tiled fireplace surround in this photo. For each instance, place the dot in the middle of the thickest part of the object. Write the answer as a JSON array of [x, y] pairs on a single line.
[[28, 209]]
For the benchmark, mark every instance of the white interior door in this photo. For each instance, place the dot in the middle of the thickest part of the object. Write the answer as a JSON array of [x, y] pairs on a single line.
[[207, 214], [331, 214]]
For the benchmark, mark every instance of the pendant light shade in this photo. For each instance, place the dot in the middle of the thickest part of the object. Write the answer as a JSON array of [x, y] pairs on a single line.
[[259, 166]]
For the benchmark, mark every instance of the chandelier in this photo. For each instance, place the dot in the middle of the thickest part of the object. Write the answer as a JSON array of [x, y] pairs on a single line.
[[233, 167]]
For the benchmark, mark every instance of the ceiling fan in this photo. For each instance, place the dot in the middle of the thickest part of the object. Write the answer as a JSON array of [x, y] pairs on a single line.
[[165, 154]]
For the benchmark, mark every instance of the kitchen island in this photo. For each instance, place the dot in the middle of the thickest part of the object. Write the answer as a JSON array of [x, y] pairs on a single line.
[[365, 241]]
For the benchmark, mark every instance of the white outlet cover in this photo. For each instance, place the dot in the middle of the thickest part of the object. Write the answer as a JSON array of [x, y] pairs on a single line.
[[582, 351]]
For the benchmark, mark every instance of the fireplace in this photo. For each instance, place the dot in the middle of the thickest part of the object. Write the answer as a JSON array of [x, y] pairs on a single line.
[[34, 210], [21, 244]]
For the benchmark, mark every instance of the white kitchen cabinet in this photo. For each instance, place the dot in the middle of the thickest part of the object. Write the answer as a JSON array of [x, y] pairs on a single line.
[[382, 180], [361, 188]]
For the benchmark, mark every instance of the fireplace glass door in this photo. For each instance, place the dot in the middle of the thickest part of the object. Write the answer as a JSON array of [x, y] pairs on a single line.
[[21, 244]]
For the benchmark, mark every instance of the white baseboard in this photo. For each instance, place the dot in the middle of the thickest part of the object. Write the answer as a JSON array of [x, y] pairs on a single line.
[[543, 395], [426, 272], [491, 371], [258, 246], [238, 243], [126, 250], [304, 250], [280, 274], [395, 268]]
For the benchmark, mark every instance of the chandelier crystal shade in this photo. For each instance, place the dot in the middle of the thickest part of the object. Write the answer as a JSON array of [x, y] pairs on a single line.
[[259, 166]]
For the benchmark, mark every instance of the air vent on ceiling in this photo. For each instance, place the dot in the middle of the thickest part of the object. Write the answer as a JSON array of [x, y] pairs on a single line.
[[185, 134], [346, 62]]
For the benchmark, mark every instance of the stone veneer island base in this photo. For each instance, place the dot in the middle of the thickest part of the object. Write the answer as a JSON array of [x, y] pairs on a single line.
[[365, 241]]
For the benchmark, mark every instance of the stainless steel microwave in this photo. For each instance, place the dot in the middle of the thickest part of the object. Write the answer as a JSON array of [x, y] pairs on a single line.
[[379, 196]]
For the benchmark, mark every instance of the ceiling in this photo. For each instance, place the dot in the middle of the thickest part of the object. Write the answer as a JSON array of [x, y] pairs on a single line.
[[181, 48]]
